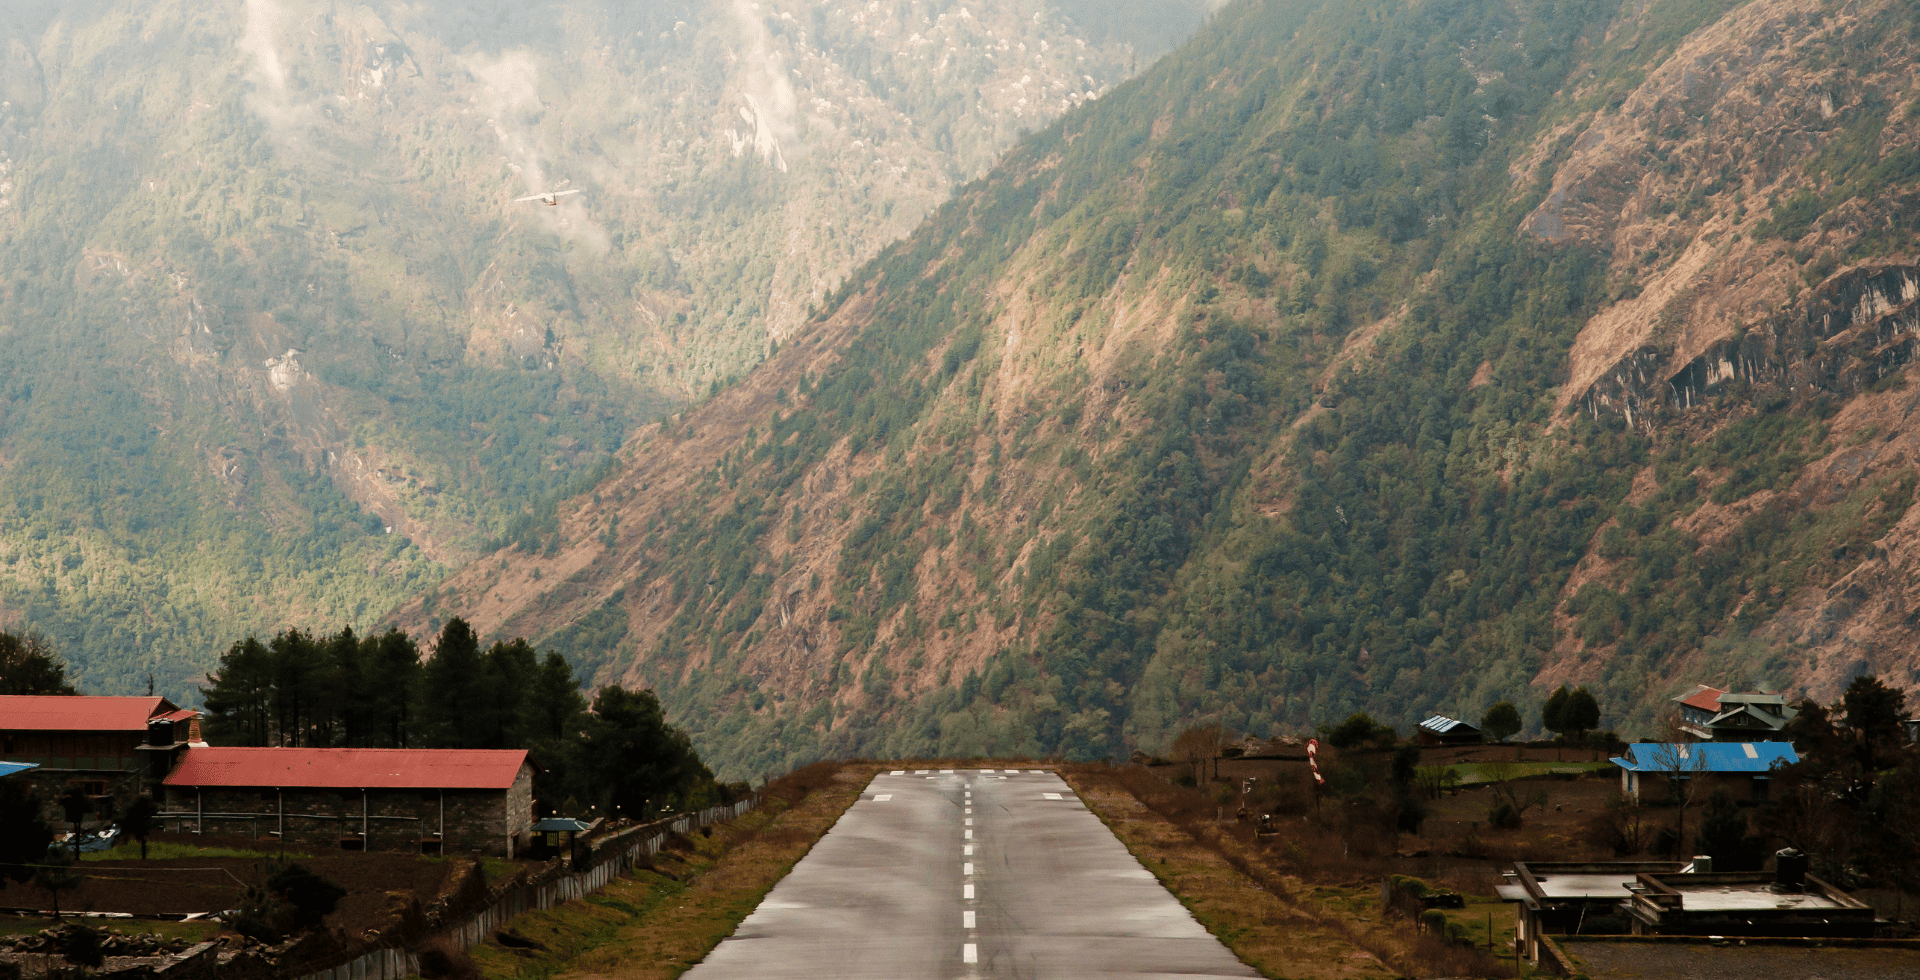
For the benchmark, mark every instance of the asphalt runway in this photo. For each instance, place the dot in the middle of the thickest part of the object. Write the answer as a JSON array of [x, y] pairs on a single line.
[[969, 873]]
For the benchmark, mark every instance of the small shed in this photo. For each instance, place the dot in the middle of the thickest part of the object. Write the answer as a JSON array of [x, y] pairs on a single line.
[[555, 835], [1442, 730]]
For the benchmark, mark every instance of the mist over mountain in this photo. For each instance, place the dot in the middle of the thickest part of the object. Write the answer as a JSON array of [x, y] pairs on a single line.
[[1358, 355], [277, 344]]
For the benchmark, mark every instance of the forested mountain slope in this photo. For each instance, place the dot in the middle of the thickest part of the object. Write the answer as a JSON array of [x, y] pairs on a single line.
[[277, 346], [1360, 355]]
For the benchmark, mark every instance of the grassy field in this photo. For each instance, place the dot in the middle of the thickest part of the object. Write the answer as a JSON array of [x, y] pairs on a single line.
[[161, 851], [1472, 773], [197, 931]]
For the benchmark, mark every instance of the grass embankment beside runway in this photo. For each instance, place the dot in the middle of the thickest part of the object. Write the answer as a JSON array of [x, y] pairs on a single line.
[[1281, 924], [1279, 935], [657, 923]]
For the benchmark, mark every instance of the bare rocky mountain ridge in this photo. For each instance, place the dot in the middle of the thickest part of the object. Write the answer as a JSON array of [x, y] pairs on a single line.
[[1680, 159], [289, 229]]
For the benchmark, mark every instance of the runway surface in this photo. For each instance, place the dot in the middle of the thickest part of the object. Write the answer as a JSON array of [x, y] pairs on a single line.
[[969, 873]]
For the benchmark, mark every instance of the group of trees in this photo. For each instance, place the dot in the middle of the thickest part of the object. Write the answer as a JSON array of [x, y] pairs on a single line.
[[344, 690], [1574, 712], [1852, 802]]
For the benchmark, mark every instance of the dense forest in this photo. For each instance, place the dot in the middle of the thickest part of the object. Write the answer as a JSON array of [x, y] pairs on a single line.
[[277, 345], [1241, 394]]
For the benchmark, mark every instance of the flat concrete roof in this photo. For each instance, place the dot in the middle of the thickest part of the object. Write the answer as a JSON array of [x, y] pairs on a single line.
[[1585, 885], [1746, 898]]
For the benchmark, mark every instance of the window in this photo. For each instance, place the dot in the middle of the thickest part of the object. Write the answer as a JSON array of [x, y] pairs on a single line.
[[1762, 788]]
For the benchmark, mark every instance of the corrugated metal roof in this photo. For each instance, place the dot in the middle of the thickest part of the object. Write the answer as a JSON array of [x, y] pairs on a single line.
[[1442, 724], [58, 713], [184, 714], [349, 768], [1706, 756], [9, 768], [1705, 698]]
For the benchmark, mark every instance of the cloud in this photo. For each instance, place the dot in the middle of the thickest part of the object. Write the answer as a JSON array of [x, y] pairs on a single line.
[[510, 95], [259, 42], [771, 112]]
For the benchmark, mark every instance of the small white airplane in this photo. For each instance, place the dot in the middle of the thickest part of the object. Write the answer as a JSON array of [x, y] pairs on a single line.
[[549, 199]]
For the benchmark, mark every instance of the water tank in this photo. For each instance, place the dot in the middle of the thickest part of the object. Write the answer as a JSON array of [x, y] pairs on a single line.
[[1703, 864], [1790, 869]]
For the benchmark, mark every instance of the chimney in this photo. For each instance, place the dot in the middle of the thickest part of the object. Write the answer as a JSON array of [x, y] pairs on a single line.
[[1789, 870]]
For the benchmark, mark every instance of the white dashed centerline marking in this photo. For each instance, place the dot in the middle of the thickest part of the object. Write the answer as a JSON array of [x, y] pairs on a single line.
[[968, 850], [969, 835], [882, 797], [970, 953], [1050, 796], [966, 891], [969, 821], [966, 919], [967, 868]]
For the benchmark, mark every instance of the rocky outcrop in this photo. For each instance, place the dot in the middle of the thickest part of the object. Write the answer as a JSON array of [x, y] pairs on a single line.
[[1857, 328]]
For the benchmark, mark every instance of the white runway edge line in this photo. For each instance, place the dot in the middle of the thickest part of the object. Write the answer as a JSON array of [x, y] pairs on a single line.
[[1051, 796], [882, 797], [970, 953]]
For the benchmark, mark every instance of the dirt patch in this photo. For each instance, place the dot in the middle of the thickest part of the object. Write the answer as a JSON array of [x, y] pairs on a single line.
[[378, 886]]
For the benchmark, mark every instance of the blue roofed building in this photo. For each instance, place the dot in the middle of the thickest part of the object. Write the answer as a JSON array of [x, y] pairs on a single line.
[[9, 768], [1655, 771]]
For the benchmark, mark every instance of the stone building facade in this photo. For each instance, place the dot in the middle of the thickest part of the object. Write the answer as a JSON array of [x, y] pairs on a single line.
[[430, 800]]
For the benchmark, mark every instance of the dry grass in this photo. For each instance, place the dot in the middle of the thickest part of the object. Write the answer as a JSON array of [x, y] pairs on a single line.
[[1273, 933], [1333, 923], [661, 920]]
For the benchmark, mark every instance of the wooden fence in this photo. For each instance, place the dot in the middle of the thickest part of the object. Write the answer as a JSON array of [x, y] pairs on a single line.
[[611, 856]]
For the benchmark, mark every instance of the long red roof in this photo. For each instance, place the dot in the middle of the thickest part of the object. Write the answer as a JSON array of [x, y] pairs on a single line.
[[349, 768], [72, 713]]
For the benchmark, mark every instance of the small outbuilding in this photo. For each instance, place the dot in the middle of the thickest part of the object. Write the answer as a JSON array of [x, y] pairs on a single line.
[[1442, 730], [429, 800]]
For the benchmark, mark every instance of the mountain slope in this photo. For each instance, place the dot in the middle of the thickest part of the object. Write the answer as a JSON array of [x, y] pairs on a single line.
[[278, 345], [1352, 358]]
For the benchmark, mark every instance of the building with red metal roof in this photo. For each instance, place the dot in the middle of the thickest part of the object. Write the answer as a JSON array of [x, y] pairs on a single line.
[[101, 746], [432, 800]]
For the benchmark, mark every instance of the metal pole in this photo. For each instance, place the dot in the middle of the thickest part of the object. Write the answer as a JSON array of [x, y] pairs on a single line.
[[199, 811], [363, 819]]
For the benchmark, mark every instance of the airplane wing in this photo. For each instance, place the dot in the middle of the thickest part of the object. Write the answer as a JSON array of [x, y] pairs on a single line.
[[534, 197], [576, 190]]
